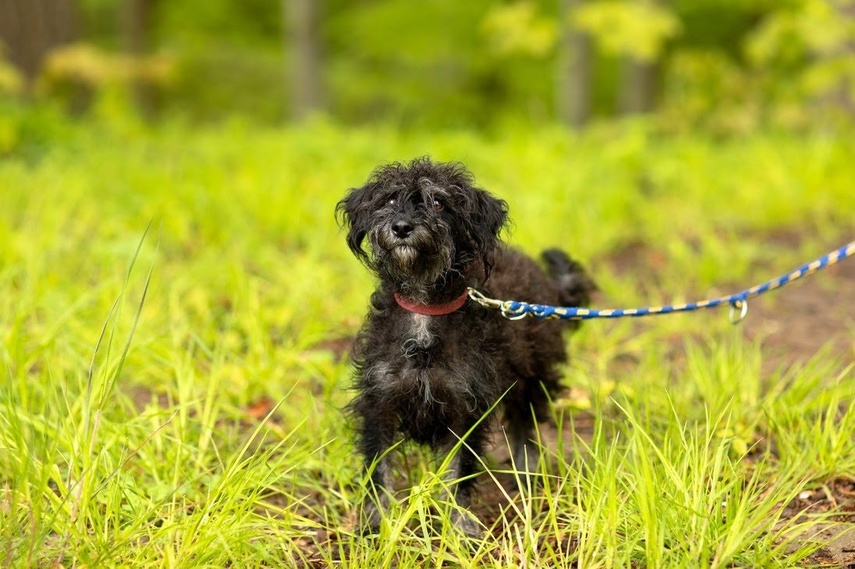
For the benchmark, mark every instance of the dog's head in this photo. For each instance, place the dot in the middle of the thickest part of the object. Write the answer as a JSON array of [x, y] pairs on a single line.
[[423, 220]]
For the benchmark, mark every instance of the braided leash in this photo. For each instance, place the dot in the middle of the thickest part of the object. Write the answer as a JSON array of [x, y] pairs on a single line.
[[514, 310]]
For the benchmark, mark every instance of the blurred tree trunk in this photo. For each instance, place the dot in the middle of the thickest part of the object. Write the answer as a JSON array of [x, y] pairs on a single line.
[[574, 69], [304, 44], [638, 86], [639, 83], [841, 96], [137, 21], [29, 29]]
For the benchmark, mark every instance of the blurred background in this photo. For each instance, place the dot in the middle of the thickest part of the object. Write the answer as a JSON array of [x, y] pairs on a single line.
[[725, 66]]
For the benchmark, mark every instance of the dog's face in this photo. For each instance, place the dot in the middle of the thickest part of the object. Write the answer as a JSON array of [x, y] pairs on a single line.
[[423, 221]]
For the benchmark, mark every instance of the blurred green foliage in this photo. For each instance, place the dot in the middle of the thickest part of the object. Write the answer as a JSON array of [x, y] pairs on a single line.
[[730, 66], [616, 27]]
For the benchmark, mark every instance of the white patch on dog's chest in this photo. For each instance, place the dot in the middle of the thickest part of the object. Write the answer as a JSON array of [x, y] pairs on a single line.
[[418, 337], [420, 332]]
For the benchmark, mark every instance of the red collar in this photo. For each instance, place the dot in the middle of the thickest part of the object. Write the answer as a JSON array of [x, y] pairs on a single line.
[[433, 309]]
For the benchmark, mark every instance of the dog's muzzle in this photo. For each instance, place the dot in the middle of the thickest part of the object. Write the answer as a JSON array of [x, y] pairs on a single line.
[[402, 227], [404, 234]]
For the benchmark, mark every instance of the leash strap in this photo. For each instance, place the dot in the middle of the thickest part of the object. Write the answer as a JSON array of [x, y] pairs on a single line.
[[515, 310]]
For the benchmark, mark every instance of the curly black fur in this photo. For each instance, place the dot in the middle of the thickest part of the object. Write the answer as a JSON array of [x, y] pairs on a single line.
[[432, 233]]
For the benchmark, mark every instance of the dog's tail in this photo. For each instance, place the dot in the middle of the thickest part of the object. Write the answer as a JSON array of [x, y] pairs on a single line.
[[575, 287]]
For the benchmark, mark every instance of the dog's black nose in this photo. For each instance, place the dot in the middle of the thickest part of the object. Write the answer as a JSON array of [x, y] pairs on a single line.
[[402, 228]]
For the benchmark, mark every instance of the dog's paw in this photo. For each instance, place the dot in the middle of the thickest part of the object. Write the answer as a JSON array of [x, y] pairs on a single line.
[[526, 457], [370, 517], [466, 522]]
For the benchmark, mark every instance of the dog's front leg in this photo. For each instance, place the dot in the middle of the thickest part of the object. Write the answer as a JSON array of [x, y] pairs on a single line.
[[377, 499], [460, 478], [375, 443]]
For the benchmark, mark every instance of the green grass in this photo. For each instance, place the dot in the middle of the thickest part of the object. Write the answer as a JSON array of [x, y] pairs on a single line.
[[132, 361]]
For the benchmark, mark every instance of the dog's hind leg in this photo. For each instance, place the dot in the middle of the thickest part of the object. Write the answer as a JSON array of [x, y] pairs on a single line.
[[525, 453], [525, 405]]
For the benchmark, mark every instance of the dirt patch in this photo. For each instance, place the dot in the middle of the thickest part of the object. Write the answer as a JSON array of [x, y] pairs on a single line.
[[793, 323], [834, 503], [817, 312]]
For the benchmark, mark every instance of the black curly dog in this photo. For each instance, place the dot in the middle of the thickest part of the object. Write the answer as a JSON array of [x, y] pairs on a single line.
[[429, 364]]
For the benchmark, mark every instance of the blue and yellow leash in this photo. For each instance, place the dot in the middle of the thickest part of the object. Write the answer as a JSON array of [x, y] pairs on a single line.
[[515, 310]]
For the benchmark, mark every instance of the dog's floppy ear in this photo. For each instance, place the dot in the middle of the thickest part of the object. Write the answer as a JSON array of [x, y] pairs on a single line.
[[489, 217], [353, 213]]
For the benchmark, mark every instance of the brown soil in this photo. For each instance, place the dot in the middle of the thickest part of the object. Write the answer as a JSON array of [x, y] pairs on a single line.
[[835, 502], [799, 320], [794, 322]]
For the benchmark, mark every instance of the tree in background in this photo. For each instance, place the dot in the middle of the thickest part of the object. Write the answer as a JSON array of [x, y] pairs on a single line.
[[636, 33], [304, 44], [574, 69], [137, 25], [30, 29], [440, 63]]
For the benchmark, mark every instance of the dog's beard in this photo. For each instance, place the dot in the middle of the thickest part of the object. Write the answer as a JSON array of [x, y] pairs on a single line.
[[417, 264], [404, 256]]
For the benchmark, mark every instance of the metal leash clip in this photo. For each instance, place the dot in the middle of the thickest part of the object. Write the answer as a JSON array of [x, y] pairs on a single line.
[[503, 306], [484, 301], [742, 307]]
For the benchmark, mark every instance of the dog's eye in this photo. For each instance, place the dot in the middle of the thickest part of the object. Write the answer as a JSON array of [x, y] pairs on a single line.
[[392, 201], [437, 205]]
